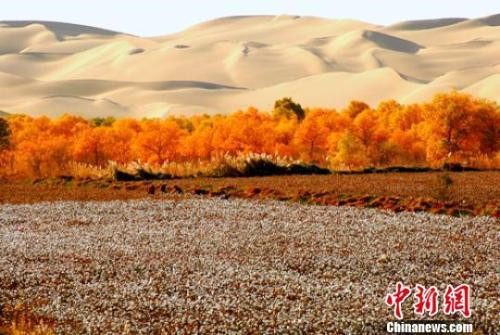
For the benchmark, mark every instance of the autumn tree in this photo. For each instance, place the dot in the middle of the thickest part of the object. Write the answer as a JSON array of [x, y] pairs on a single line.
[[487, 126], [312, 135], [199, 143], [451, 123], [119, 140], [284, 131], [158, 141], [90, 146], [365, 124], [244, 132], [407, 117], [409, 147], [351, 152]]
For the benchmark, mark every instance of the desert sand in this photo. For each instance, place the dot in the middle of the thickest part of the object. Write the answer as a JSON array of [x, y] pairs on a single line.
[[49, 68]]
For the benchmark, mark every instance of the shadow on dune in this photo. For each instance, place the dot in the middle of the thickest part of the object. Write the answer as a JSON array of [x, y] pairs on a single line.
[[62, 30]]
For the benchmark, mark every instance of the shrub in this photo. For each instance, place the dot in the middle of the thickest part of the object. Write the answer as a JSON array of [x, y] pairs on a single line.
[[307, 169], [224, 170], [146, 174], [120, 175], [262, 167]]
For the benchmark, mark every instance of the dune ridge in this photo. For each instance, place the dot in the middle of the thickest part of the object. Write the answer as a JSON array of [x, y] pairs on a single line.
[[219, 66]]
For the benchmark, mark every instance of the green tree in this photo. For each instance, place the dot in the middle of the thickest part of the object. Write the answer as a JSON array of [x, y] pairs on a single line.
[[355, 107], [288, 108], [102, 122]]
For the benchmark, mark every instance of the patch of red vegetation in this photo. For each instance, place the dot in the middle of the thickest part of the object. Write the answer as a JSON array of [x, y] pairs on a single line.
[[392, 203]]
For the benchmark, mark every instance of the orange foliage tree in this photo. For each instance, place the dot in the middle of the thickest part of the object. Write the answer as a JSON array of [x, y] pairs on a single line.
[[460, 128], [158, 141]]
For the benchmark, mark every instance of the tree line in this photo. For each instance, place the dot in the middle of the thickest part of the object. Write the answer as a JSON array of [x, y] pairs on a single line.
[[452, 128]]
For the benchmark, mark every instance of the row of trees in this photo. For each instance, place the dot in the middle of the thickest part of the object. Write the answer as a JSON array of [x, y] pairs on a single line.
[[453, 127]]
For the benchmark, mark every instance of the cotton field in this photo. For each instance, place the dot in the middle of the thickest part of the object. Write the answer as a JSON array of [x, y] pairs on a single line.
[[236, 266]]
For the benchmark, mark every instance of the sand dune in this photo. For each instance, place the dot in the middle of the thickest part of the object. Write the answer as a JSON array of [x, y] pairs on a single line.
[[487, 87], [425, 24], [60, 105], [52, 68], [61, 30]]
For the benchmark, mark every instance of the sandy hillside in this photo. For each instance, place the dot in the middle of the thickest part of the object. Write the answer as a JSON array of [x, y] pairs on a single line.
[[230, 63]]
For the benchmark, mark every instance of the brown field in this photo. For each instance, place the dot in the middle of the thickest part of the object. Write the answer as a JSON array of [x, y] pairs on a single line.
[[472, 193]]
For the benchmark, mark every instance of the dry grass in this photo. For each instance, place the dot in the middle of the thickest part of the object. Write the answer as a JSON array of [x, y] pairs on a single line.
[[219, 166]]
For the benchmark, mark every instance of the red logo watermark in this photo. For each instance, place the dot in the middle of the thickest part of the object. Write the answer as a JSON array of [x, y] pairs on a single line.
[[426, 300], [457, 300]]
